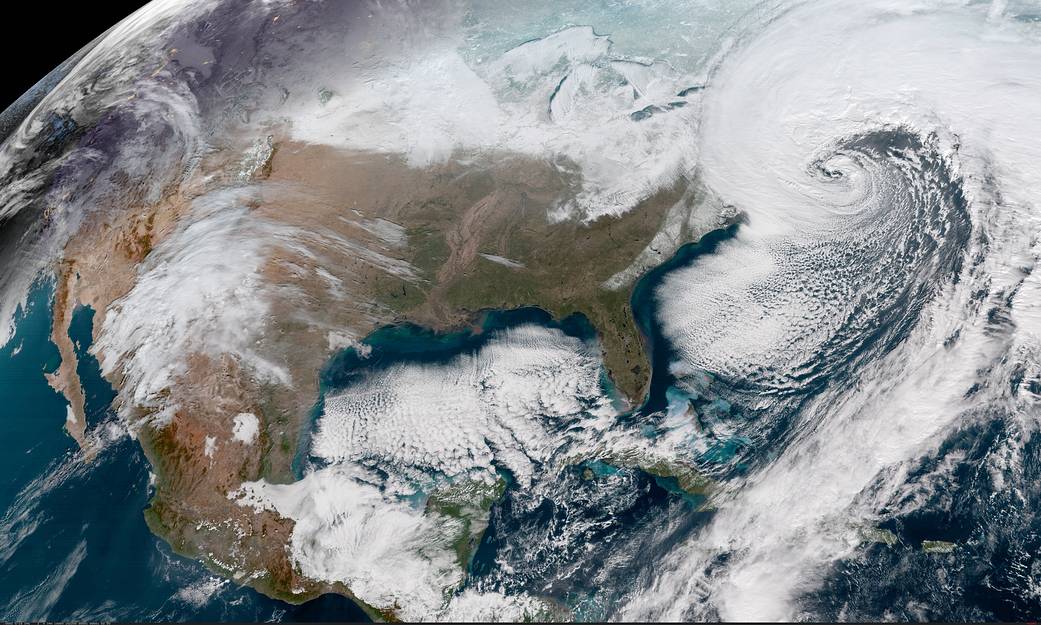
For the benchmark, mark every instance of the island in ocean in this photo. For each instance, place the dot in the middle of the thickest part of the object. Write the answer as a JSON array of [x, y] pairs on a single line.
[[378, 244]]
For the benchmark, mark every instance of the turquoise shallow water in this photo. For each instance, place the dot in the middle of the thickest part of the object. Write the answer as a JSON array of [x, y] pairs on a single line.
[[644, 305], [408, 342], [73, 541], [577, 522]]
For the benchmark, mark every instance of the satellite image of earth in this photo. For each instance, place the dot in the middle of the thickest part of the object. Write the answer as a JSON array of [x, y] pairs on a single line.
[[551, 310]]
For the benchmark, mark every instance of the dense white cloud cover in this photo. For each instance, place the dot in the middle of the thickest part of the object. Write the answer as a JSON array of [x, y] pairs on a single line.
[[528, 395], [816, 75], [198, 292], [619, 122], [792, 84]]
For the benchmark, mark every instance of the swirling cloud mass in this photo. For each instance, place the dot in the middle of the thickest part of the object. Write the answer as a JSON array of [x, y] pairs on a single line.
[[851, 358]]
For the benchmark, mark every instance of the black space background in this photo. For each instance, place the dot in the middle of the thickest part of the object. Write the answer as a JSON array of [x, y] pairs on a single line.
[[39, 34]]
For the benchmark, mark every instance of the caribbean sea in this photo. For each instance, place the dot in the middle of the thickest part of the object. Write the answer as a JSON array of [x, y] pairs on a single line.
[[73, 541]]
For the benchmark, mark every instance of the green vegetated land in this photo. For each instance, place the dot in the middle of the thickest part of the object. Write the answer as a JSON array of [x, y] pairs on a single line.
[[559, 267]]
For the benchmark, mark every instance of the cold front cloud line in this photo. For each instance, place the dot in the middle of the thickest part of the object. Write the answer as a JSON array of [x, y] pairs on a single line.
[[638, 311]]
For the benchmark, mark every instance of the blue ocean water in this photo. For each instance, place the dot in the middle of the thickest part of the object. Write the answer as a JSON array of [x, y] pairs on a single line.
[[73, 542], [643, 302], [407, 342], [583, 518]]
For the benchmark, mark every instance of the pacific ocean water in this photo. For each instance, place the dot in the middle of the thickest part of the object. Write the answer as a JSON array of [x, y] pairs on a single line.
[[73, 540]]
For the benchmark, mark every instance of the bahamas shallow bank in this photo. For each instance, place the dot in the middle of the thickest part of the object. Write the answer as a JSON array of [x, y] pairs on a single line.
[[664, 310]]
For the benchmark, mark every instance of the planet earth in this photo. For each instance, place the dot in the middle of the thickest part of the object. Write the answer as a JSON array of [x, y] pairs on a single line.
[[576, 310]]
